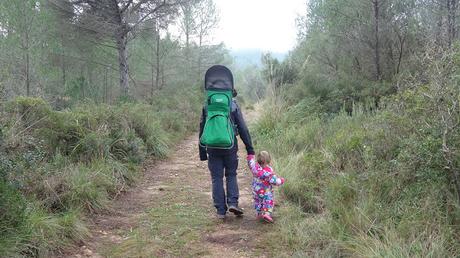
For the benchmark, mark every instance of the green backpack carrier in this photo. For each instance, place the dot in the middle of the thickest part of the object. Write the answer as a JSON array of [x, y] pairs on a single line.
[[218, 131]]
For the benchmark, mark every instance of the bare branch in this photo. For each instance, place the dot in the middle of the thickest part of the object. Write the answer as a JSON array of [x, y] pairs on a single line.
[[124, 8]]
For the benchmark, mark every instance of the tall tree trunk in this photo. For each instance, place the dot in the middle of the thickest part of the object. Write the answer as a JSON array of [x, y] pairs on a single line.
[[402, 41], [122, 42], [90, 84], [152, 66], [449, 23], [454, 19], [187, 10], [439, 31], [83, 81], [200, 55], [163, 81], [152, 81], [63, 71], [27, 71], [106, 82], [63, 64], [377, 40], [26, 47], [155, 59], [187, 53], [357, 64], [187, 40], [453, 6], [157, 53]]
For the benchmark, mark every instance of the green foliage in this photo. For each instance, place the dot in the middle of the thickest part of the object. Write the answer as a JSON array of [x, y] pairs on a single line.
[[126, 132], [361, 51], [369, 183], [278, 73], [29, 230], [46, 233], [66, 186], [12, 208], [57, 166], [367, 133]]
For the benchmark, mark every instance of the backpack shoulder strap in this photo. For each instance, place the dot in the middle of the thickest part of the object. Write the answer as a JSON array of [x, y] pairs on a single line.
[[234, 106]]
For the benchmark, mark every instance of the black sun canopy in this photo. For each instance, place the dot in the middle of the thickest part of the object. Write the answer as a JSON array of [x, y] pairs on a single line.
[[218, 77]]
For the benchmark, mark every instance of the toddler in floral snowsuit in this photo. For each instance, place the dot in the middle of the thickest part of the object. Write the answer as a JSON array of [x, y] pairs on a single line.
[[264, 179]]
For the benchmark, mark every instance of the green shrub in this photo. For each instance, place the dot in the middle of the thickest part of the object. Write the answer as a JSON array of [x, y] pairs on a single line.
[[12, 209], [57, 166], [367, 183], [131, 148], [92, 146], [81, 186], [341, 195], [32, 111], [305, 185], [27, 230], [51, 232]]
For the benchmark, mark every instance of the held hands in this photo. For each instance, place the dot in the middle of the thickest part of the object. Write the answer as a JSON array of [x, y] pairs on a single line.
[[251, 163], [280, 181]]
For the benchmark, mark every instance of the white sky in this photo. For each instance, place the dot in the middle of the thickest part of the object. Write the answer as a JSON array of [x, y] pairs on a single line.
[[268, 25]]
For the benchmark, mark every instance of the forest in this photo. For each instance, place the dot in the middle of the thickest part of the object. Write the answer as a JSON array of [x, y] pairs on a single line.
[[362, 118]]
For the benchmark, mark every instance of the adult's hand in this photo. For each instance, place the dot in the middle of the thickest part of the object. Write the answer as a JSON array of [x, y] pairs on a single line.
[[203, 156]]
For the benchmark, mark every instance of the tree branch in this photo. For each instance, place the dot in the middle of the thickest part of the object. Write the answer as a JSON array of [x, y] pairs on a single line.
[[154, 10], [124, 8]]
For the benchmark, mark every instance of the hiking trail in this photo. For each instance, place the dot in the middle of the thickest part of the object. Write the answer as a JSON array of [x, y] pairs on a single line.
[[169, 213]]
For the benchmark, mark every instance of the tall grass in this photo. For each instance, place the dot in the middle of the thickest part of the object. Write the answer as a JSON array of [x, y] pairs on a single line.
[[367, 184], [57, 166]]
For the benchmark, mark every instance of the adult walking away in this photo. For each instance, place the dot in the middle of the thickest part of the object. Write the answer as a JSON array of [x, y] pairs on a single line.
[[221, 122]]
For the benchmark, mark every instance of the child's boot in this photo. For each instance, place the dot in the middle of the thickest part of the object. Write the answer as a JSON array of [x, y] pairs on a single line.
[[267, 218]]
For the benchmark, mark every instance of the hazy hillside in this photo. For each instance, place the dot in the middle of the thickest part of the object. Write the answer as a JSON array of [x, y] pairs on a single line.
[[245, 57]]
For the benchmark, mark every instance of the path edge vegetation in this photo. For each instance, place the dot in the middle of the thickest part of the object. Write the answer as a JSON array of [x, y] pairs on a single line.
[[368, 181], [58, 167]]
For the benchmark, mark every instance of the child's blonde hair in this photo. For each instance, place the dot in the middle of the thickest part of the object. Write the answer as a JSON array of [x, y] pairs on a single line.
[[263, 158]]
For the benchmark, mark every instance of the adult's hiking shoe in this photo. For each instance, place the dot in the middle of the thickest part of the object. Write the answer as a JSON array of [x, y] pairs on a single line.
[[235, 210], [220, 216]]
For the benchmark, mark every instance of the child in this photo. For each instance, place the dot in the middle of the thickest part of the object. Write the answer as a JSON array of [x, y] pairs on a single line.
[[264, 178]]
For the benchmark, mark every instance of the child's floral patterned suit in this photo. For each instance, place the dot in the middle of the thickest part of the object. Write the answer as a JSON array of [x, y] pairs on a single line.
[[264, 178]]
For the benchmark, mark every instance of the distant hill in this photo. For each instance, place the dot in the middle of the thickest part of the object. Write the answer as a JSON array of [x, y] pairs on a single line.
[[245, 57]]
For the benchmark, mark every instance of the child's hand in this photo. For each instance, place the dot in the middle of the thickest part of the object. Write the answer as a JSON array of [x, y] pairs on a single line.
[[250, 157], [280, 181]]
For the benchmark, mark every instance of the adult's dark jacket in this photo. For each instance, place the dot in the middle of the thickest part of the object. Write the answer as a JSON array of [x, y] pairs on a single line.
[[241, 129]]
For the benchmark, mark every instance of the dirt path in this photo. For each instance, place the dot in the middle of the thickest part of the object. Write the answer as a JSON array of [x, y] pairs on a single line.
[[170, 214]]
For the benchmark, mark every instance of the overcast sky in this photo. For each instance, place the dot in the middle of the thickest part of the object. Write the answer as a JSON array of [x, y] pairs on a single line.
[[268, 25]]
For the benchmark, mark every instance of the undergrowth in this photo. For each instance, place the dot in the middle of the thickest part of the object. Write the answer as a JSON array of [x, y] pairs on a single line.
[[57, 166], [373, 183]]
